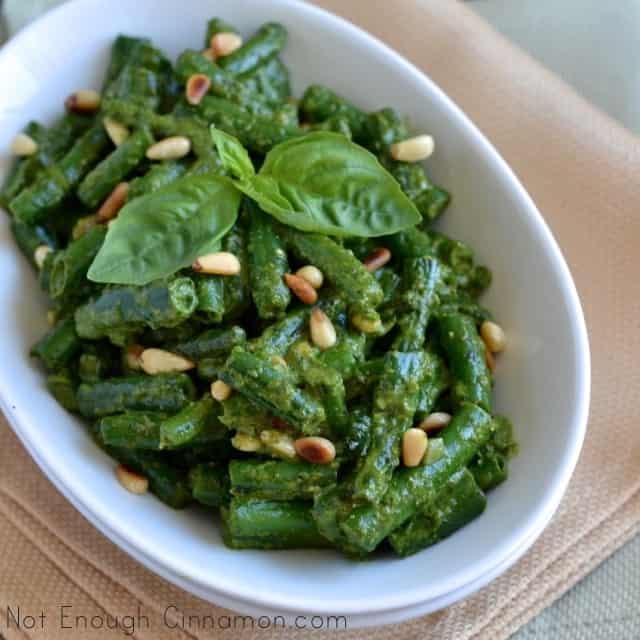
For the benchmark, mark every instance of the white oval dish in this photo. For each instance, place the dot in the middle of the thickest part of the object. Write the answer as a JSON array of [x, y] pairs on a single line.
[[542, 381]]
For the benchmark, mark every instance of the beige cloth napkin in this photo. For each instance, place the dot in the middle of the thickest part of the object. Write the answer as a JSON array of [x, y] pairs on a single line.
[[581, 169]]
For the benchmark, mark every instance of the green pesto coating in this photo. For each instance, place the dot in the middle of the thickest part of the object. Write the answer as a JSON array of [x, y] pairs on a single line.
[[267, 266], [62, 386], [167, 482], [29, 238], [197, 419], [272, 388], [280, 479], [121, 310], [414, 489], [137, 85], [127, 50], [101, 181], [168, 392], [265, 44], [270, 80], [347, 354], [209, 483], [460, 502], [395, 400], [69, 267], [160, 175], [455, 254], [212, 343], [241, 414], [320, 103], [382, 129], [58, 346], [278, 337], [269, 524], [337, 124], [491, 466], [465, 352], [132, 429], [237, 296], [339, 266], [410, 243], [432, 203], [97, 361], [210, 293], [50, 189], [421, 277], [223, 84], [358, 434], [435, 382], [258, 133]]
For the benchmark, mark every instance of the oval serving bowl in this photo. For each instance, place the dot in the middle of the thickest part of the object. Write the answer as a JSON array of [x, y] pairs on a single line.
[[532, 296]]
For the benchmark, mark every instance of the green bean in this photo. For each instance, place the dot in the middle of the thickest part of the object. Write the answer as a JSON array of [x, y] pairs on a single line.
[[260, 48], [135, 84], [319, 104], [210, 369], [165, 392], [382, 129], [29, 238], [346, 355], [280, 479], [215, 26], [58, 346], [414, 489], [212, 343], [410, 243], [120, 310], [434, 384], [101, 181], [277, 338], [456, 505], [132, 430], [69, 267], [244, 416], [97, 361], [394, 404], [257, 133], [62, 386], [268, 524], [267, 266], [210, 294], [337, 124], [270, 80], [160, 175], [465, 353], [272, 388], [197, 418], [237, 296], [132, 51], [209, 484], [491, 466]]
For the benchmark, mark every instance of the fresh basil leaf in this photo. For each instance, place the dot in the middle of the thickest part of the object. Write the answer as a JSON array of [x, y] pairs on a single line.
[[233, 155], [158, 234], [325, 183]]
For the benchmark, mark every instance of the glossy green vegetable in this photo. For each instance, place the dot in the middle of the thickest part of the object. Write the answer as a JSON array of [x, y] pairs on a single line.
[[121, 311], [460, 502], [160, 175], [414, 489], [212, 343], [198, 419], [260, 48], [270, 80], [280, 479], [132, 51], [62, 386], [29, 238], [466, 356], [165, 392], [267, 524], [319, 104], [209, 484], [58, 346], [136, 84], [132, 430], [267, 266], [187, 217]]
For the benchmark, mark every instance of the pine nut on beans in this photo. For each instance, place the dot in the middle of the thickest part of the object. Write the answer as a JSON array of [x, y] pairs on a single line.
[[132, 481], [301, 288], [434, 421], [312, 275], [220, 390], [413, 149], [197, 87], [323, 333], [40, 254], [114, 202], [23, 145], [83, 101], [220, 263], [414, 446], [225, 43], [376, 259], [171, 148], [315, 449], [116, 131], [493, 336], [154, 361]]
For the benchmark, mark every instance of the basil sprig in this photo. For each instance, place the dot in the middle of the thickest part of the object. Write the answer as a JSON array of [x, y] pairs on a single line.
[[321, 182], [157, 234]]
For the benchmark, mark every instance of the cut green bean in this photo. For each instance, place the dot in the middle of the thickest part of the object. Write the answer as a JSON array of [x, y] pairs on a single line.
[[209, 484], [212, 343], [319, 104], [266, 43], [58, 346]]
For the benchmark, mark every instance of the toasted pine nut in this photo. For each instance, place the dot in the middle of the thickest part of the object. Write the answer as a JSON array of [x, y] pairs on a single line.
[[312, 275], [156, 361], [278, 443], [40, 254], [323, 333], [83, 101], [493, 336], [132, 481], [490, 360], [83, 225], [220, 390], [171, 148], [197, 86], [245, 442], [301, 288], [315, 449], [222, 44], [221, 263], [23, 145], [52, 316], [414, 446], [434, 421], [376, 259], [209, 55], [366, 325], [132, 357], [116, 131], [114, 202], [413, 149]]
